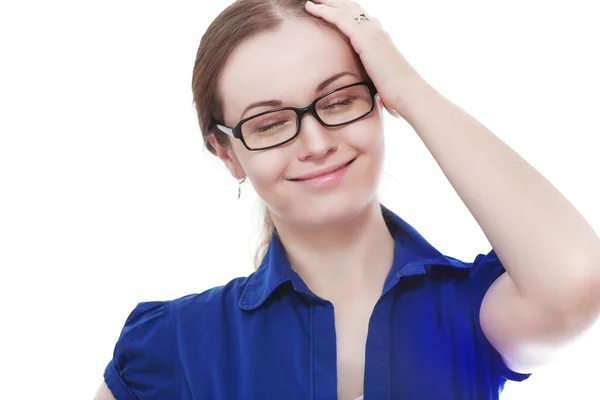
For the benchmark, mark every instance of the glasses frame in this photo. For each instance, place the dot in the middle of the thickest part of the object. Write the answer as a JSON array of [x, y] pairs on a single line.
[[236, 131]]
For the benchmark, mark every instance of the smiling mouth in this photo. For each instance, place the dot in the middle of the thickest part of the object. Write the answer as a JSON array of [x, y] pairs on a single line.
[[341, 167]]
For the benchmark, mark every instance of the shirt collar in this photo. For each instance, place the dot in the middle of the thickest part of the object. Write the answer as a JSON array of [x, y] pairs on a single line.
[[412, 255]]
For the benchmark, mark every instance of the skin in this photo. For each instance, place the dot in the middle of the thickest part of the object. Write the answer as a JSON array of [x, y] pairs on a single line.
[[335, 238], [323, 229], [104, 393], [550, 293]]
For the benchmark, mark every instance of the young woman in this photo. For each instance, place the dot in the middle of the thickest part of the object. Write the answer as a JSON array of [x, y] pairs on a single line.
[[349, 299]]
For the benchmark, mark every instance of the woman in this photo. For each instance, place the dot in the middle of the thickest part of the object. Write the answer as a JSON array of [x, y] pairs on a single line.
[[349, 300]]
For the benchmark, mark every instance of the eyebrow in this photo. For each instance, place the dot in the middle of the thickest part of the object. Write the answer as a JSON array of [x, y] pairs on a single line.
[[279, 103]]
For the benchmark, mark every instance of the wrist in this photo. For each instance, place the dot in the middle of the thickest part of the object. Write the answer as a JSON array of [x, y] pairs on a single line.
[[413, 92]]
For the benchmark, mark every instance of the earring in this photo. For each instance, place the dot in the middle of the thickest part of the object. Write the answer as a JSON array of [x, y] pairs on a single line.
[[240, 186]]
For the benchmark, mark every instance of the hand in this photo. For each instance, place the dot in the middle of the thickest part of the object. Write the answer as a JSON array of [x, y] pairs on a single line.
[[384, 63]]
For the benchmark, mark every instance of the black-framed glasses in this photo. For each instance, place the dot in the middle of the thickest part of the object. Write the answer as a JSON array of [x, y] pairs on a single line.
[[273, 128]]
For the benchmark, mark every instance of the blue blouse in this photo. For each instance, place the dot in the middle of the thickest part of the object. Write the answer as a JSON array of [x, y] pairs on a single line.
[[267, 336]]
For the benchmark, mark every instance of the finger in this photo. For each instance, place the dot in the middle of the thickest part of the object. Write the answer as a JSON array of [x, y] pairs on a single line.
[[352, 7], [338, 3], [343, 19], [359, 34], [336, 16], [333, 3]]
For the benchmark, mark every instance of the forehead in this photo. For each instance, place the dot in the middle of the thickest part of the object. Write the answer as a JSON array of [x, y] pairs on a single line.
[[286, 64]]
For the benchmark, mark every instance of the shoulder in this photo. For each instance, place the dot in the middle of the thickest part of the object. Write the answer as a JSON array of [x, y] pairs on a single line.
[[216, 299], [164, 315], [481, 272], [143, 353], [148, 348]]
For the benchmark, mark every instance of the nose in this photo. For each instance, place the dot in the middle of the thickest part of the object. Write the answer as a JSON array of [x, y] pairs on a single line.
[[316, 140]]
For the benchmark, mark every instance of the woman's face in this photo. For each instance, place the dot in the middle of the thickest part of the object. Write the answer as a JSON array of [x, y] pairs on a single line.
[[288, 65]]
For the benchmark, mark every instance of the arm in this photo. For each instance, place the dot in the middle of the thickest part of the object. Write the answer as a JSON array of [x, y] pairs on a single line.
[[103, 393], [551, 292]]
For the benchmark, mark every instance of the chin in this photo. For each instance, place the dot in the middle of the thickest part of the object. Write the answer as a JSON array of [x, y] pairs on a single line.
[[316, 209], [329, 212]]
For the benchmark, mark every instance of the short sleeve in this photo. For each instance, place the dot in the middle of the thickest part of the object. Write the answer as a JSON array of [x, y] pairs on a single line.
[[144, 356], [485, 270]]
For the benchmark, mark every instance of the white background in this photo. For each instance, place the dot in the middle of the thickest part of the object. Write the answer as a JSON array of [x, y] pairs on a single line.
[[107, 197]]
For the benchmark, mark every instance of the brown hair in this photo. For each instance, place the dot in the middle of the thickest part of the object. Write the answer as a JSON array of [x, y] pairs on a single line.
[[237, 23]]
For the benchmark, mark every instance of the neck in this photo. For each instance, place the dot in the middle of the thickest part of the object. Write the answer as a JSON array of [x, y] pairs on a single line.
[[350, 259]]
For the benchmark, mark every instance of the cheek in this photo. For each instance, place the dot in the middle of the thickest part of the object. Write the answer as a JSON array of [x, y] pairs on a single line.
[[368, 139], [266, 168], [259, 166]]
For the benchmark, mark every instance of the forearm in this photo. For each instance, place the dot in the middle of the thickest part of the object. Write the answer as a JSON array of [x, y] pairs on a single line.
[[548, 249]]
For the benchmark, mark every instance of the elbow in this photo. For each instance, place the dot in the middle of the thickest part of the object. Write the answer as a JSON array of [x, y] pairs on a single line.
[[581, 304]]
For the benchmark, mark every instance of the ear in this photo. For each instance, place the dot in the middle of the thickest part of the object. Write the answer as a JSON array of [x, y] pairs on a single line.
[[227, 155]]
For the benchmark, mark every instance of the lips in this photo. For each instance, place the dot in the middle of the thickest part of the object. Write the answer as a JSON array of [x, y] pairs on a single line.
[[323, 172]]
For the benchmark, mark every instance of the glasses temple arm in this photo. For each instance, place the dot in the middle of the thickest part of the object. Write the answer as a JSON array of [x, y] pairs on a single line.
[[225, 130]]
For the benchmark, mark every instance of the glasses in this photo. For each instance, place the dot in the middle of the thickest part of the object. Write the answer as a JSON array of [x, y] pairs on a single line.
[[276, 127]]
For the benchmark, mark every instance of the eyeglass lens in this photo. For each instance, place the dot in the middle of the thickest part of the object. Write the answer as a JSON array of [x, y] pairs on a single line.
[[337, 108]]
